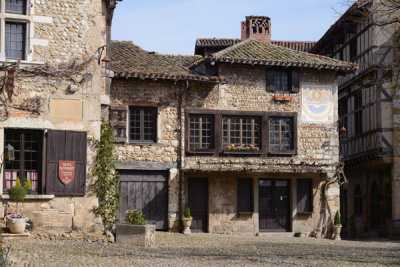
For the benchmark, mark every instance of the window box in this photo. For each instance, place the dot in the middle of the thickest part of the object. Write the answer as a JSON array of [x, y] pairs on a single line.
[[283, 98], [242, 150]]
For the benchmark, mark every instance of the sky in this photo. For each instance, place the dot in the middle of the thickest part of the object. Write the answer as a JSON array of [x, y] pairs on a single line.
[[172, 26]]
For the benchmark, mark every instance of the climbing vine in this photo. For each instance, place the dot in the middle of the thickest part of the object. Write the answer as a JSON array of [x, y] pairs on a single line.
[[107, 179]]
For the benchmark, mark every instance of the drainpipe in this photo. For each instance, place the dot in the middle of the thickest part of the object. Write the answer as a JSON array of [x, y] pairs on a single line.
[[180, 160]]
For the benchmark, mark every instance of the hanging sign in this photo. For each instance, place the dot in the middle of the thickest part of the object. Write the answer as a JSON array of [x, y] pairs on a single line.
[[66, 171]]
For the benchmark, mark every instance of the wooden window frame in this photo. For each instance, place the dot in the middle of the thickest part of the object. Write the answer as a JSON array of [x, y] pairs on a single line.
[[251, 196], [258, 135], [309, 208], [116, 123], [218, 132], [293, 80], [187, 137], [291, 115], [22, 169], [142, 141]]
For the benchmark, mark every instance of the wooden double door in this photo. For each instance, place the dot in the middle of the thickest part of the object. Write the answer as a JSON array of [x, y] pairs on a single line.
[[274, 205], [146, 191]]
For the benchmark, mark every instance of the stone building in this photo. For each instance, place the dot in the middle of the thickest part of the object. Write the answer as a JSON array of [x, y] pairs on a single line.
[[53, 83], [368, 111], [246, 136]]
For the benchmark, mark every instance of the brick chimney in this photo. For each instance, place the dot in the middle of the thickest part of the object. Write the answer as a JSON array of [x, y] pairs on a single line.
[[256, 28]]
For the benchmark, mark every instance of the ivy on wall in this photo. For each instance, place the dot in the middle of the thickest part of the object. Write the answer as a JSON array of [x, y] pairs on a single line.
[[106, 178]]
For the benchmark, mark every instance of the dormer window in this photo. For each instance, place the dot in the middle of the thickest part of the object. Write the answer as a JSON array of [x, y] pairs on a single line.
[[283, 80]]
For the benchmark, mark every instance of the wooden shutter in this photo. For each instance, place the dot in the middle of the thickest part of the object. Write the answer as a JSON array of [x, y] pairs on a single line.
[[304, 195], [295, 81], [70, 146], [118, 119], [244, 195], [270, 80]]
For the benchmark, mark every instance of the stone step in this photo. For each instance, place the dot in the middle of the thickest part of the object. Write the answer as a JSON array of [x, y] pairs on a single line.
[[276, 234]]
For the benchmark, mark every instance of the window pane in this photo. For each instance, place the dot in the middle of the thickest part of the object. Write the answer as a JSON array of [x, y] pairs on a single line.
[[241, 131], [143, 124], [201, 132], [28, 155], [281, 80], [16, 6], [15, 40], [280, 134]]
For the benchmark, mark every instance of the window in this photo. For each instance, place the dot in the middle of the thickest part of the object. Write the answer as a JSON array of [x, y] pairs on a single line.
[[283, 80], [244, 195], [15, 40], [358, 201], [241, 131], [143, 124], [16, 6], [280, 134], [118, 122], [28, 158], [201, 130], [304, 195], [15, 26]]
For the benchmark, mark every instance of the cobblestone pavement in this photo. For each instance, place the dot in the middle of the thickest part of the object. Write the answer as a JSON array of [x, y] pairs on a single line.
[[204, 250]]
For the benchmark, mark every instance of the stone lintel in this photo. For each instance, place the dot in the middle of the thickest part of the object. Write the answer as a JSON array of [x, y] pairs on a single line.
[[156, 166]]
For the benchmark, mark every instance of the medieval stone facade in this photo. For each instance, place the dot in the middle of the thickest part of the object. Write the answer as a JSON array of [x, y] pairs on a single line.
[[52, 51], [247, 151]]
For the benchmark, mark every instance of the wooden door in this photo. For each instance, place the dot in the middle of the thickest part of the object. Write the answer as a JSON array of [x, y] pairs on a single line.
[[274, 205], [146, 191], [198, 203]]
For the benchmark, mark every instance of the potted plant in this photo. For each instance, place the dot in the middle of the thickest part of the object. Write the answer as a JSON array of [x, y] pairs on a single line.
[[28, 186], [135, 231], [16, 221], [337, 226], [186, 219]]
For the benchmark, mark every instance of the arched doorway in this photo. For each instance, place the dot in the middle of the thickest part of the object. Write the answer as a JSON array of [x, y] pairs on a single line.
[[375, 212]]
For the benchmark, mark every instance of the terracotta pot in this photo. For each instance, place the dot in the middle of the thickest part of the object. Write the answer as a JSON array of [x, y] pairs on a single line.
[[288, 98], [279, 97], [336, 232], [187, 222], [16, 225]]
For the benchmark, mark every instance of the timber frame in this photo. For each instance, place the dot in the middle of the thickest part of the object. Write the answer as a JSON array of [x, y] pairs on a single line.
[[218, 149]]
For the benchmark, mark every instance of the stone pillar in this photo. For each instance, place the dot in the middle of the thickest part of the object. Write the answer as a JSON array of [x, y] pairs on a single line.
[[333, 195], [173, 200], [256, 227]]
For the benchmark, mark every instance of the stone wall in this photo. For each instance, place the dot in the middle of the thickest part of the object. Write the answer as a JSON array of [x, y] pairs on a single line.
[[63, 34], [317, 152], [318, 146]]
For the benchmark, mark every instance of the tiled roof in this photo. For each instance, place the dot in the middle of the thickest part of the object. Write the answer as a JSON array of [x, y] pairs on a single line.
[[214, 42], [129, 60], [218, 42], [304, 46], [256, 53], [352, 11]]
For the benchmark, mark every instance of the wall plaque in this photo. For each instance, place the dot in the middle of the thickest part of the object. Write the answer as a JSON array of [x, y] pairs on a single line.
[[66, 171]]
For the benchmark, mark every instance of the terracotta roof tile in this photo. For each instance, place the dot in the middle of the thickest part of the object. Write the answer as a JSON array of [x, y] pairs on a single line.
[[304, 46], [129, 60], [256, 53]]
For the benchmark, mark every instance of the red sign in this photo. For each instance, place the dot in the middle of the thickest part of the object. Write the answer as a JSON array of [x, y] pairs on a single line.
[[66, 171]]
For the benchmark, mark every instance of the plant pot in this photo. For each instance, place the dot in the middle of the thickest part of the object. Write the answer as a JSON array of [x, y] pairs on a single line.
[[279, 98], [187, 222], [288, 98], [28, 191], [16, 225], [336, 232]]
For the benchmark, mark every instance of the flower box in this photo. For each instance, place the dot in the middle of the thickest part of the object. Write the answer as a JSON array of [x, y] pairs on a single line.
[[283, 98], [250, 150]]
